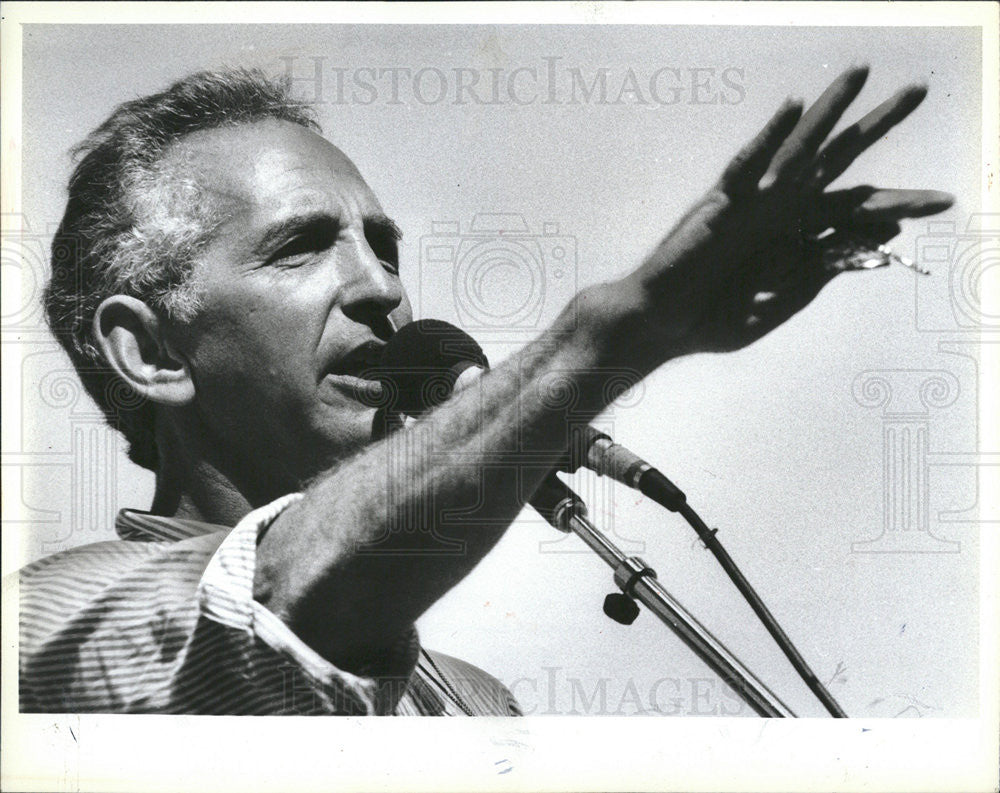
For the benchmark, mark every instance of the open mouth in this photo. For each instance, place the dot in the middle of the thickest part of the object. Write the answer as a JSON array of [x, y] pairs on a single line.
[[360, 362], [358, 372]]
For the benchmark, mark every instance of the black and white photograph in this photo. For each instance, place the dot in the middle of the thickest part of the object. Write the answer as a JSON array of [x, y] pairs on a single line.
[[621, 375]]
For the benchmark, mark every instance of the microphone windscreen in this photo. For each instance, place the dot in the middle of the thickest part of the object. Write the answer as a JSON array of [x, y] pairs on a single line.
[[421, 362]]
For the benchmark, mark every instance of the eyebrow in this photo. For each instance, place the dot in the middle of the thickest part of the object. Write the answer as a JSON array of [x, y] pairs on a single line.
[[384, 224], [285, 229]]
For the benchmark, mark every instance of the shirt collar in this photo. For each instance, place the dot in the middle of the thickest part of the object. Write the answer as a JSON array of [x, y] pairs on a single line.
[[136, 525]]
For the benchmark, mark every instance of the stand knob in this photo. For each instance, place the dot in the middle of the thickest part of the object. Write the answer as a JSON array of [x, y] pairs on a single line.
[[621, 608]]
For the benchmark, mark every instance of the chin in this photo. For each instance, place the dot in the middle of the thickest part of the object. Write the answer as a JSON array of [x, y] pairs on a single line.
[[350, 433]]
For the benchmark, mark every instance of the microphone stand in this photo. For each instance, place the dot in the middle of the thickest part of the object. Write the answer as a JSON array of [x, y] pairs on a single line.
[[624, 466], [565, 511]]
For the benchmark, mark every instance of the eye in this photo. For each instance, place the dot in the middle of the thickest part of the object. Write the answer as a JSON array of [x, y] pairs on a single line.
[[385, 247], [391, 263], [306, 242]]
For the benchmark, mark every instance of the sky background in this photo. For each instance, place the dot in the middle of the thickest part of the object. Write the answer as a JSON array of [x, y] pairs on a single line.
[[770, 444]]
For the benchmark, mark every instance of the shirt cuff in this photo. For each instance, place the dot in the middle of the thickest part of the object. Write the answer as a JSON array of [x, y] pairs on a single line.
[[225, 596]]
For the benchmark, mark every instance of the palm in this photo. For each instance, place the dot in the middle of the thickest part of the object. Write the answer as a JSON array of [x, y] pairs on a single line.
[[739, 263]]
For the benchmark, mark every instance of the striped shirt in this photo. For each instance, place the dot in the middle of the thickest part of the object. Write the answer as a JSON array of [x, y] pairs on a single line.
[[164, 621]]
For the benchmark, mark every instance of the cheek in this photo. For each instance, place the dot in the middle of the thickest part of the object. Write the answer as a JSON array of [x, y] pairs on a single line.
[[252, 382], [250, 343]]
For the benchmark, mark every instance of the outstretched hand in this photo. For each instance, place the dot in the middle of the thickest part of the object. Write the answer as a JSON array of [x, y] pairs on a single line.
[[744, 259]]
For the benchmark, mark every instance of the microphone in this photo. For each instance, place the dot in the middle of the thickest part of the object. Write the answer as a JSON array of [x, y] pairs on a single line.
[[424, 361], [596, 450], [422, 365]]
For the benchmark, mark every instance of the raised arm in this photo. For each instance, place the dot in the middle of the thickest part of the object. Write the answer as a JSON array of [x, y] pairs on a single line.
[[737, 265]]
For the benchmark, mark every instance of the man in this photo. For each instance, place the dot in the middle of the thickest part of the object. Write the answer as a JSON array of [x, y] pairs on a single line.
[[224, 277]]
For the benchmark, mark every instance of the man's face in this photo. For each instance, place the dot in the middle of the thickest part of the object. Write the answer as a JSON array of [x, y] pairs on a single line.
[[299, 289]]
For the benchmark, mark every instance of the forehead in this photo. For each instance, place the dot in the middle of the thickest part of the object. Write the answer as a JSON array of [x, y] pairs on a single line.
[[270, 168]]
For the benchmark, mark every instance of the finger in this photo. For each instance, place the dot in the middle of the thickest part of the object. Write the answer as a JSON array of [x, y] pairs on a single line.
[[802, 144], [749, 165], [899, 204], [870, 205], [837, 156], [859, 247], [830, 209], [870, 234]]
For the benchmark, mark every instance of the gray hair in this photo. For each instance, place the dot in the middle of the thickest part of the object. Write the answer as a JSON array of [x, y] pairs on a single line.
[[134, 227]]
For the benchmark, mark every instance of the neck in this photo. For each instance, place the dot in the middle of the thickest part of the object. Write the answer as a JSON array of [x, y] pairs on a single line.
[[202, 493], [195, 484]]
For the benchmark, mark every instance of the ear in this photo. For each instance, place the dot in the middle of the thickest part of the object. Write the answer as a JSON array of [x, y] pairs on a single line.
[[131, 337]]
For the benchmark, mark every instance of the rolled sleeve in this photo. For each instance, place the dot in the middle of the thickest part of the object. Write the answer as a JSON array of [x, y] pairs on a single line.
[[273, 670]]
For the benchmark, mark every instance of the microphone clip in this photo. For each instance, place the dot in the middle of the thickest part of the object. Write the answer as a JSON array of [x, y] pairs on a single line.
[[621, 606]]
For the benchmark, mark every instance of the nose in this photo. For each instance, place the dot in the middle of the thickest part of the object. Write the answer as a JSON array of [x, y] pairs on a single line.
[[370, 292]]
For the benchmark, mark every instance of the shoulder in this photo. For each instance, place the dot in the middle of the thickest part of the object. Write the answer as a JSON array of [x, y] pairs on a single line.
[[486, 692], [100, 576], [103, 626], [101, 563]]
